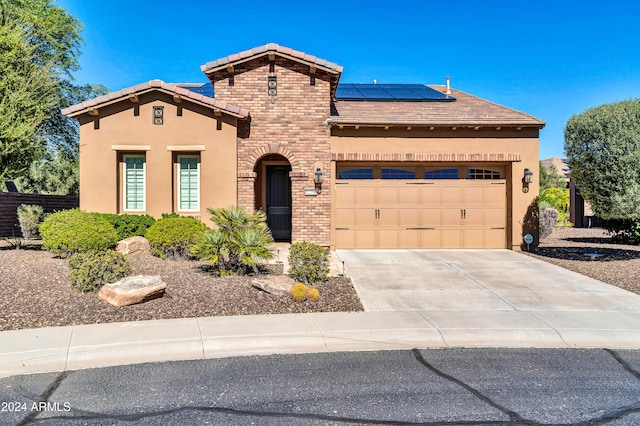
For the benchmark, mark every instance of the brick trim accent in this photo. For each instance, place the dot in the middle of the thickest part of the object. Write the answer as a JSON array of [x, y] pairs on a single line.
[[272, 148], [420, 156]]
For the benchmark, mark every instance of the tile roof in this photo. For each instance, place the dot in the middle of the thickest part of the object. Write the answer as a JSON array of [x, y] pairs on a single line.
[[263, 50], [149, 86], [466, 110]]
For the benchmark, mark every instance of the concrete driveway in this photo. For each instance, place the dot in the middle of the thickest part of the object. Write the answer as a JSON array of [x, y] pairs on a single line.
[[476, 280]]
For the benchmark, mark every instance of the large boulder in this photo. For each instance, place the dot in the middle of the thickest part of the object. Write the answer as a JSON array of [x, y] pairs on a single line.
[[131, 290], [133, 245], [278, 285]]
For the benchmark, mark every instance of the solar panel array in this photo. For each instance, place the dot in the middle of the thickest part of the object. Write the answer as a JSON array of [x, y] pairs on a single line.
[[390, 92], [367, 92]]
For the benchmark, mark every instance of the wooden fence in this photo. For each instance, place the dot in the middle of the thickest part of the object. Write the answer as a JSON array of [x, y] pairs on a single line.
[[10, 201]]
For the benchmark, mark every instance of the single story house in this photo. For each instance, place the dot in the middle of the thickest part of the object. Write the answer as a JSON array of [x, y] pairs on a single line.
[[342, 165]]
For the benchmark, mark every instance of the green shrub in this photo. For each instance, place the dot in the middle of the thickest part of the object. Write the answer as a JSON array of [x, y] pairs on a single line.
[[129, 225], [172, 237], [240, 242], [29, 217], [308, 262], [71, 231], [626, 231], [90, 271]]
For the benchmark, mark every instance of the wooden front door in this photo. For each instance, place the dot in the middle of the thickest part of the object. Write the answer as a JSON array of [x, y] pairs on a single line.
[[278, 188]]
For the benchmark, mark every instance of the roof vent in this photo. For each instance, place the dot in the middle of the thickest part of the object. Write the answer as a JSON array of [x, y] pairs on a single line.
[[448, 92]]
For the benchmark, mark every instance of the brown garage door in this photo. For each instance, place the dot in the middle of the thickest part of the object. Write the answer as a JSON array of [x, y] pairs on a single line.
[[375, 213]]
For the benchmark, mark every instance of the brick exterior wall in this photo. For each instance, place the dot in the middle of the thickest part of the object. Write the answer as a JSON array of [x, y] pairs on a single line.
[[291, 124]]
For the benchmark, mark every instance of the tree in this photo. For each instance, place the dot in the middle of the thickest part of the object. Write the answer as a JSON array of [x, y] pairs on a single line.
[[54, 175], [603, 149], [52, 37], [550, 178], [27, 95]]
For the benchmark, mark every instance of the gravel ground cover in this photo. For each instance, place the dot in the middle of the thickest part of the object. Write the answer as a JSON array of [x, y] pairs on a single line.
[[36, 292], [619, 264]]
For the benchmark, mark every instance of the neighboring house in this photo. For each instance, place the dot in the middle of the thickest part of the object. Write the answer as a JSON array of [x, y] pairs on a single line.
[[580, 213], [342, 165]]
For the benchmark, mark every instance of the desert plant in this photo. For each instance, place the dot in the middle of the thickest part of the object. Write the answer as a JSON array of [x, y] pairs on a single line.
[[313, 294], [298, 292], [71, 231], [240, 241], [129, 225], [90, 271], [626, 231], [548, 220], [29, 217], [173, 237], [308, 262]]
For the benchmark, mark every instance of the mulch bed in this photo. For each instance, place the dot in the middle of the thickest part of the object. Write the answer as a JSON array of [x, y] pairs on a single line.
[[36, 292]]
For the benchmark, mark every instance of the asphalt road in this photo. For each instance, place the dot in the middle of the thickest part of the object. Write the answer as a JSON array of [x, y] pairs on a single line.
[[445, 386]]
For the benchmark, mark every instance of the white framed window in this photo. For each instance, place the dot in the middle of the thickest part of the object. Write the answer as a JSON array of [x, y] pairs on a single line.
[[189, 183], [134, 182]]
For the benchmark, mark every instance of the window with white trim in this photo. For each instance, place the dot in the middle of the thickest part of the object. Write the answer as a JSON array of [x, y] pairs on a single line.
[[134, 182], [188, 183]]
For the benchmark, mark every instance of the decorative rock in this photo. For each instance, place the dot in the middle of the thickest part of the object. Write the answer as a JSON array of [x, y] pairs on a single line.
[[133, 245], [131, 290], [278, 285]]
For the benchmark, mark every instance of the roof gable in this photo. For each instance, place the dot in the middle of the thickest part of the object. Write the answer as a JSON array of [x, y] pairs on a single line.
[[228, 62], [154, 85]]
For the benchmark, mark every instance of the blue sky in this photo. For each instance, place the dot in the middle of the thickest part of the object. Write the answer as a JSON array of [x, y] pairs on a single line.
[[550, 59]]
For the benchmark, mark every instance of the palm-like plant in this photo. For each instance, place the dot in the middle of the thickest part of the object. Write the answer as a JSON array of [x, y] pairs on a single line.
[[213, 246], [240, 242]]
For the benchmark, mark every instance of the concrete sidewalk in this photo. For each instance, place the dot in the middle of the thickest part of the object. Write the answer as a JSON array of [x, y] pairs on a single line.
[[480, 309]]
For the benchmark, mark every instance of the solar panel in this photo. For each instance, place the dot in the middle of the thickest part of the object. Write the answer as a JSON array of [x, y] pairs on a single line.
[[205, 89], [390, 92]]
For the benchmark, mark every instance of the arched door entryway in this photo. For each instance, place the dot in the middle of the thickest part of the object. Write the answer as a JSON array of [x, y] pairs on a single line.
[[273, 194]]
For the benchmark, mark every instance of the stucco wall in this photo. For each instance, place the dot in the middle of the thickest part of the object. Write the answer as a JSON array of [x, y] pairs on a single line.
[[121, 132]]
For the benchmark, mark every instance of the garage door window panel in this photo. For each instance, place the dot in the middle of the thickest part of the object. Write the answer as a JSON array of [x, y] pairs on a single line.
[[356, 173], [448, 173], [398, 173]]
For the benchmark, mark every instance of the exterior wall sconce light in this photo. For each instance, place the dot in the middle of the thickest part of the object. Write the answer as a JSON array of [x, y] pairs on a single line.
[[317, 179], [526, 180]]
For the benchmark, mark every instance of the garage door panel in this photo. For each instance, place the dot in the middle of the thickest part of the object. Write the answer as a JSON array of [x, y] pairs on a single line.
[[345, 218], [494, 217], [365, 238], [409, 217], [430, 238], [430, 195], [345, 238], [473, 238], [387, 238], [388, 217], [450, 217], [494, 238], [408, 238], [451, 195], [365, 217], [398, 214], [451, 238]]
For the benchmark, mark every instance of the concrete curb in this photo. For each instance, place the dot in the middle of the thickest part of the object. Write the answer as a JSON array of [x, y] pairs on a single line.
[[101, 345]]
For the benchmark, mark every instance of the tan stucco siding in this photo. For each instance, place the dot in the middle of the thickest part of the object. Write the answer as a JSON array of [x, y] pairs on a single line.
[[121, 132], [515, 150]]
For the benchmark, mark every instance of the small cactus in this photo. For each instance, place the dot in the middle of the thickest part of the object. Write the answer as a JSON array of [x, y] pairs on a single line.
[[313, 294], [299, 292]]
